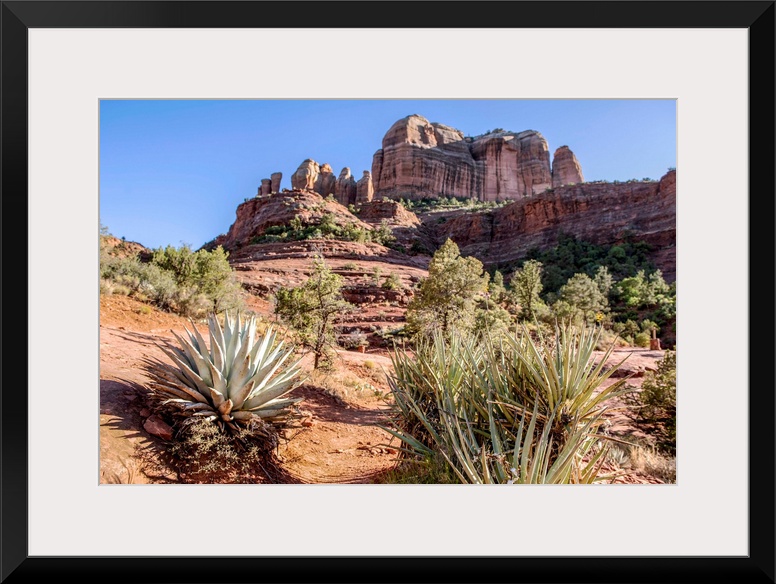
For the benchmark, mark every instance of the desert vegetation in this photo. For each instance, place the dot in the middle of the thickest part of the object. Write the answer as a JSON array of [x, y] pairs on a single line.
[[509, 373], [191, 283], [517, 410], [224, 398]]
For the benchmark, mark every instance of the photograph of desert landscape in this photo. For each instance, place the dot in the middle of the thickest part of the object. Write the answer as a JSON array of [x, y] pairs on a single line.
[[383, 292]]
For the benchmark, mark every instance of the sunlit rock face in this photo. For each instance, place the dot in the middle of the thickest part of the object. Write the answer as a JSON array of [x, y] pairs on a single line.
[[421, 159], [566, 169]]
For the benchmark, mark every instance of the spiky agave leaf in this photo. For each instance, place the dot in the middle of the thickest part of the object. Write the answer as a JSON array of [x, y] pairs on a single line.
[[238, 378]]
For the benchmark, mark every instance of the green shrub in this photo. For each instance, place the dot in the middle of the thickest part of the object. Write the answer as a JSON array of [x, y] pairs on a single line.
[[354, 339], [657, 400], [641, 340], [392, 282], [383, 234]]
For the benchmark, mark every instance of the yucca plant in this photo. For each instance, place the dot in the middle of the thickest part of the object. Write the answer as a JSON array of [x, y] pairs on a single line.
[[557, 375], [236, 381], [514, 412]]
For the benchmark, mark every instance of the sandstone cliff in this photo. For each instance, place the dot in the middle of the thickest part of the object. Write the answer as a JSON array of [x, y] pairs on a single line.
[[421, 159], [565, 168], [602, 213]]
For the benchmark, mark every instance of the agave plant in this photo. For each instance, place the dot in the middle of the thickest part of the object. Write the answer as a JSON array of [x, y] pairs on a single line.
[[240, 378]]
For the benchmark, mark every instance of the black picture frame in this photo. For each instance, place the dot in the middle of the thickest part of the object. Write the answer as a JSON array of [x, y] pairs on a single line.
[[19, 16]]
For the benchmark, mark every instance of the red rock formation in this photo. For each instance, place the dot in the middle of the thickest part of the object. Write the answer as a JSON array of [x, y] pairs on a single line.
[[275, 179], [602, 213], [326, 181], [266, 186], [420, 159], [345, 188], [306, 175], [255, 215], [512, 165], [391, 211], [364, 189], [565, 168], [423, 159]]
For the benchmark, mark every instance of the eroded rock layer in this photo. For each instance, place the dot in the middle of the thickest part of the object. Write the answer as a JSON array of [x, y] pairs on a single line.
[[602, 213], [421, 159]]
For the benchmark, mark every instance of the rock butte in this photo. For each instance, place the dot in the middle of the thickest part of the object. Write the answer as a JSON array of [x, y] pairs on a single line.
[[420, 159]]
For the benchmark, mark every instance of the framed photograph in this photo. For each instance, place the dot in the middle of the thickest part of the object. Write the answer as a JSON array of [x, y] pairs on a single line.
[[70, 73]]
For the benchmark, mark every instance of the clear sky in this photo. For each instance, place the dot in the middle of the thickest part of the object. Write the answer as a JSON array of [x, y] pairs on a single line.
[[173, 172]]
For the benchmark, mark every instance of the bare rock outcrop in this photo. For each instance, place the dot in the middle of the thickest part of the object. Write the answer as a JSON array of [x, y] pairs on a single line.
[[326, 181], [275, 179], [602, 213], [365, 189], [306, 175], [566, 169], [512, 165], [392, 212], [345, 188], [266, 187], [421, 159]]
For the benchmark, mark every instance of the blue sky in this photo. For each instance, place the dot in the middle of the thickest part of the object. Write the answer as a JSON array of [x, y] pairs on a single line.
[[174, 171]]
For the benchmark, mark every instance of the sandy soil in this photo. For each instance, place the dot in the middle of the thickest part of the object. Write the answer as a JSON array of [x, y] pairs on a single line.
[[342, 444]]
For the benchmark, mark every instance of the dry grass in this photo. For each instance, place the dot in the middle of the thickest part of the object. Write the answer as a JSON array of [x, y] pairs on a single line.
[[643, 459], [351, 383]]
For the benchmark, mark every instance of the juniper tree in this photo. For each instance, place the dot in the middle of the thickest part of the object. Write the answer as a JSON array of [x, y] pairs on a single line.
[[446, 299], [312, 309], [526, 285]]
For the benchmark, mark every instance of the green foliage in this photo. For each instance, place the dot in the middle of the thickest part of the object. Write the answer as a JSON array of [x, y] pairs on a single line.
[[584, 297], [431, 469], [526, 285], [521, 411], [642, 291], [312, 309], [573, 256], [496, 287], [204, 278], [383, 234], [327, 227], [235, 382], [641, 340], [657, 401], [446, 298], [392, 282], [354, 339], [443, 203], [491, 320], [175, 279], [604, 281]]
